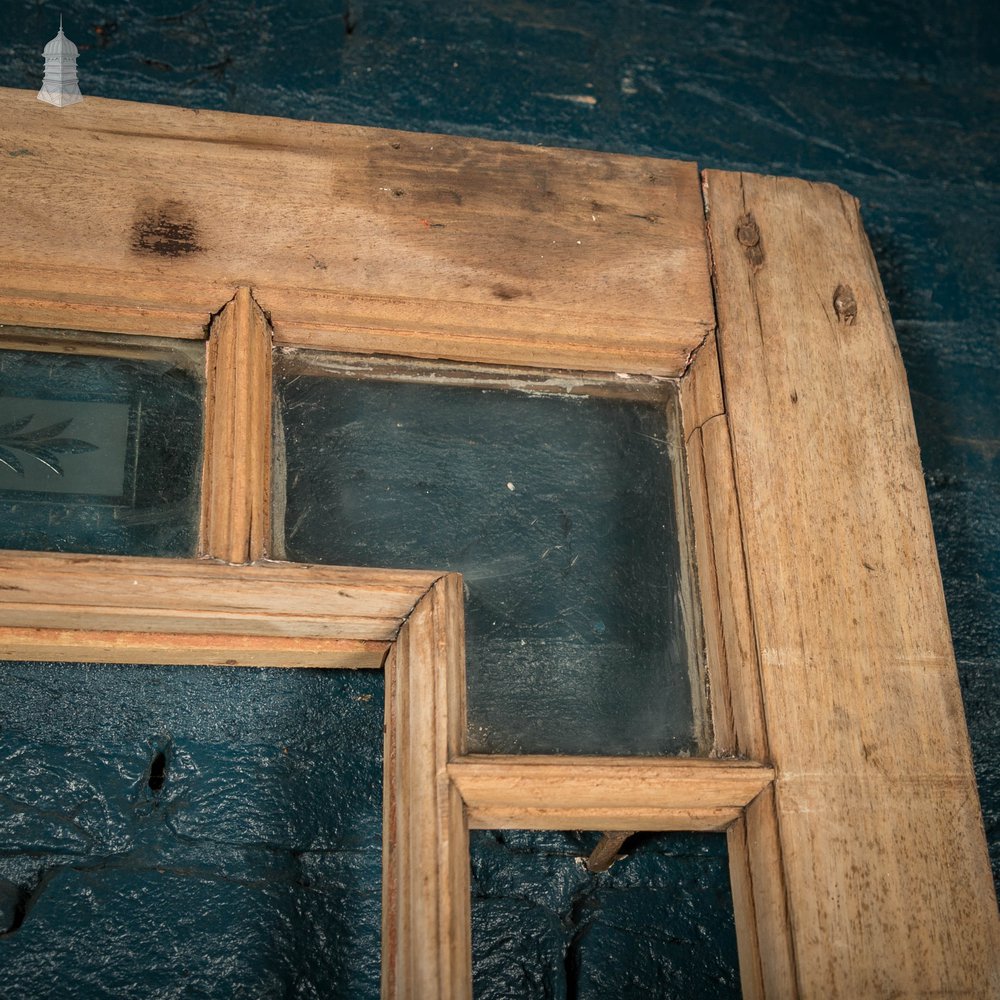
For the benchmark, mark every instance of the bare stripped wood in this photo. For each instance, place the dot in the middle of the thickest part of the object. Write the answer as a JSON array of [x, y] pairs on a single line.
[[701, 388], [60, 590], [109, 345], [720, 689], [881, 840], [745, 914], [106, 300], [737, 707], [743, 691], [737, 710], [602, 857], [235, 487], [426, 922], [605, 793], [763, 933], [700, 819], [91, 646], [763, 930], [491, 333], [352, 238]]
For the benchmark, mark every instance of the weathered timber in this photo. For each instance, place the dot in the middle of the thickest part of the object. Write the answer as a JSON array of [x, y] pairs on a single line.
[[880, 837], [352, 239]]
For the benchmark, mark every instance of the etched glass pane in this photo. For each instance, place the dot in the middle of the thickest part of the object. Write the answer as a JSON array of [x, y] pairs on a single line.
[[558, 509], [100, 443], [175, 831]]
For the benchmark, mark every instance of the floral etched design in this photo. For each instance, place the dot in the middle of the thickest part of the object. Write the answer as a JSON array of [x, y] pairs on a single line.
[[43, 444]]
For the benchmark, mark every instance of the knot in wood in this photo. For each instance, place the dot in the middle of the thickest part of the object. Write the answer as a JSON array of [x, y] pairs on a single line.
[[748, 233], [845, 305]]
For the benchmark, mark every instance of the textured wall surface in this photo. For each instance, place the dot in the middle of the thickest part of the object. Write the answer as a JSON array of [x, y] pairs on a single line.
[[189, 832], [896, 102]]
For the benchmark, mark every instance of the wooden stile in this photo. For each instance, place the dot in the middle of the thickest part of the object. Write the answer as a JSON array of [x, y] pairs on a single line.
[[882, 849]]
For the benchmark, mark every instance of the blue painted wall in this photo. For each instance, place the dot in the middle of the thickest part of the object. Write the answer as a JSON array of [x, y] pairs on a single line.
[[894, 101]]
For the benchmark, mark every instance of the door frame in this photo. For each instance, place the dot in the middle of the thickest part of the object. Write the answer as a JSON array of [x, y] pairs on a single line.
[[856, 844]]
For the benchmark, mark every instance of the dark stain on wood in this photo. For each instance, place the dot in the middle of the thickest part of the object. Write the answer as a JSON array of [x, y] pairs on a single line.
[[506, 292], [748, 233], [165, 229]]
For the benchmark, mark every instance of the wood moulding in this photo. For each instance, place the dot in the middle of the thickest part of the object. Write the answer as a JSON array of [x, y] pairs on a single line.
[[426, 944], [426, 918], [60, 591], [760, 903], [295, 615], [222, 650], [605, 793], [236, 470], [734, 676]]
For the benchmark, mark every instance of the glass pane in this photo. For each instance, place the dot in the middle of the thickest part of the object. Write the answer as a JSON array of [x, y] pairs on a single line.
[[658, 924], [558, 510], [100, 443], [189, 831]]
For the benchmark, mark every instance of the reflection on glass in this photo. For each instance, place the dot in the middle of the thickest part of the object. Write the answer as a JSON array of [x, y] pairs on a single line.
[[558, 510], [100, 443]]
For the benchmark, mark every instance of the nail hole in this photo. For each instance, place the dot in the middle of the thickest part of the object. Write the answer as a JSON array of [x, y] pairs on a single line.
[[158, 772]]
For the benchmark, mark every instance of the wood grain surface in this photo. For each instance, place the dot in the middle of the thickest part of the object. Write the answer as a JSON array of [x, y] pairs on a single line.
[[93, 646], [761, 903], [352, 239], [236, 469], [605, 793], [426, 890], [112, 593], [881, 839]]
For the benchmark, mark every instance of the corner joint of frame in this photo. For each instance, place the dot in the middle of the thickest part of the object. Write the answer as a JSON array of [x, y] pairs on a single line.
[[693, 353], [442, 587], [243, 296]]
